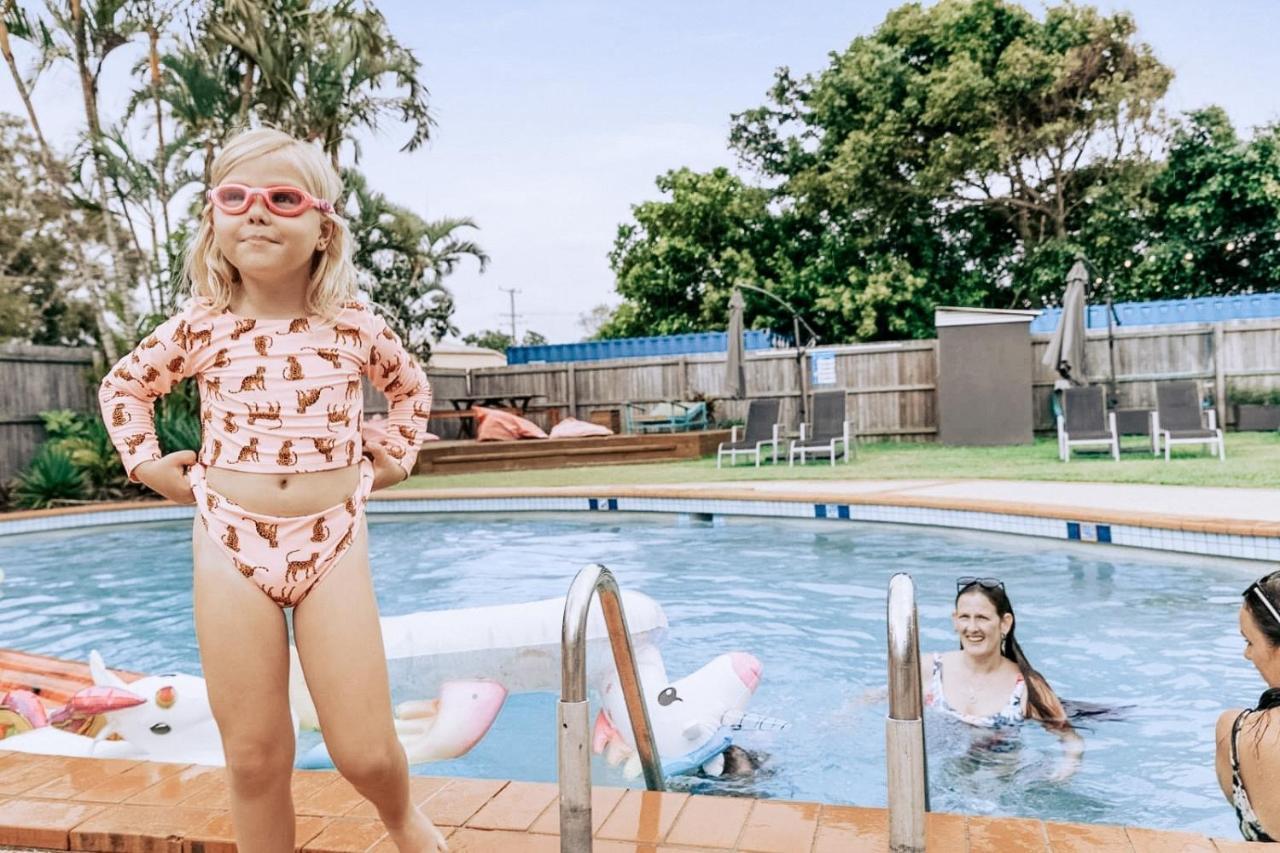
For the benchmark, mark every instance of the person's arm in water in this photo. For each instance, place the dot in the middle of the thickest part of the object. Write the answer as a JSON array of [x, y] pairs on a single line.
[[1057, 722]]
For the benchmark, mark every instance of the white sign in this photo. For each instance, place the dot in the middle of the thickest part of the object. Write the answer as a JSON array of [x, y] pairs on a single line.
[[824, 368]]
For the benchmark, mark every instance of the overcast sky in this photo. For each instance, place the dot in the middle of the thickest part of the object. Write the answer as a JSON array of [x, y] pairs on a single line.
[[555, 117]]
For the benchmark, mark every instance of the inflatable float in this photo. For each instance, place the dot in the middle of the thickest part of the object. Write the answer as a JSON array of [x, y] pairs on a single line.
[[473, 657], [467, 659]]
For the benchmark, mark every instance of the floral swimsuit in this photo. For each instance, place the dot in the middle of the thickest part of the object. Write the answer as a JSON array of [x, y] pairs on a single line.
[[1012, 714]]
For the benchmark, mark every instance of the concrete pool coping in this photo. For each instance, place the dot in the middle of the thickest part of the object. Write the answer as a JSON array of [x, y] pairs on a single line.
[[1222, 522], [91, 804], [53, 802]]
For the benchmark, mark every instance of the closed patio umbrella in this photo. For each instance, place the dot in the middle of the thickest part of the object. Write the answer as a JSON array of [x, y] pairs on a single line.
[[1066, 349], [736, 374]]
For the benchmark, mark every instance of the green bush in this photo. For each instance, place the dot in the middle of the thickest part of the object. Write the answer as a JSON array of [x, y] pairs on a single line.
[[51, 479], [1254, 396], [178, 418]]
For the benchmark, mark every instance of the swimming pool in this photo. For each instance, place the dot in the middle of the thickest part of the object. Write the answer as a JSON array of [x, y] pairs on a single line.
[[1118, 627]]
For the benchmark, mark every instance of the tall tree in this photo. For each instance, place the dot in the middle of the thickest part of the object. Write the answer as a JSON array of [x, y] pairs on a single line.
[[404, 261], [15, 22], [676, 264], [43, 275], [951, 156], [1214, 223], [318, 70]]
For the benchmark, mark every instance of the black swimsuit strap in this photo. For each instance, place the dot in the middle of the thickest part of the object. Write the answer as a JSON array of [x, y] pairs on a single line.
[[1235, 734]]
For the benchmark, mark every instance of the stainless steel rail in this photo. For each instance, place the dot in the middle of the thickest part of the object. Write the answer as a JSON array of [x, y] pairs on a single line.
[[572, 715], [904, 727]]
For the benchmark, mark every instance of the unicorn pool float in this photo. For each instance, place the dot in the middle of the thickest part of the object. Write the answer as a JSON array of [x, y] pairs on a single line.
[[469, 659]]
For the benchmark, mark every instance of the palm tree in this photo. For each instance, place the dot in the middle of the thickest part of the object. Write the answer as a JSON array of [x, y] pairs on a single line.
[[14, 21], [87, 37], [193, 85], [317, 72], [404, 260]]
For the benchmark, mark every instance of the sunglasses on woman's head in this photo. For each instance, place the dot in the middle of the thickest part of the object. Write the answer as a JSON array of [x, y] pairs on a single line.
[[1255, 588], [986, 583], [282, 200]]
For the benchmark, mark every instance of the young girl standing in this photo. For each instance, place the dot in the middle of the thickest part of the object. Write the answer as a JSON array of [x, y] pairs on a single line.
[[278, 347]]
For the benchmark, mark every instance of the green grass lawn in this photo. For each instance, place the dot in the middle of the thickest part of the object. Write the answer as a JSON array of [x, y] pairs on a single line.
[[1253, 459]]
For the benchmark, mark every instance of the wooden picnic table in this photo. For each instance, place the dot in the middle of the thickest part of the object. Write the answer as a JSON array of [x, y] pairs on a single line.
[[465, 405]]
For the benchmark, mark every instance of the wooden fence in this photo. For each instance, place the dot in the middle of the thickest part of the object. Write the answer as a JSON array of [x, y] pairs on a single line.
[[891, 386], [1240, 354], [35, 379]]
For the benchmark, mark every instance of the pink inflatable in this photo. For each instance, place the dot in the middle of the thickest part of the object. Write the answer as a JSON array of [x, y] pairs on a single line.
[[497, 425], [574, 428]]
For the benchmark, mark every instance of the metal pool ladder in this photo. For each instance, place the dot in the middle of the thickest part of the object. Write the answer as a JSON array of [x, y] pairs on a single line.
[[904, 727], [572, 715]]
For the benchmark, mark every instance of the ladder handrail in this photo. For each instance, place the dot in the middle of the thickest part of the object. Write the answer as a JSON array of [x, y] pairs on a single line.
[[905, 760], [572, 712]]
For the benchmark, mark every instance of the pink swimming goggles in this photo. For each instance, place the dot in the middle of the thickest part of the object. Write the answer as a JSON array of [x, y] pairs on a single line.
[[235, 199]]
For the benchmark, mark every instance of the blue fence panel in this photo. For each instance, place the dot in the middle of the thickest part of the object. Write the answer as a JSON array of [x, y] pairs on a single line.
[[664, 345], [1161, 312]]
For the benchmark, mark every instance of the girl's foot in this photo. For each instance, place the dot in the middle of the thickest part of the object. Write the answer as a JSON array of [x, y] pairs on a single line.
[[418, 835]]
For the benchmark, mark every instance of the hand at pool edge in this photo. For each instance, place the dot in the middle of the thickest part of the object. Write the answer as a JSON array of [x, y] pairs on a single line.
[[167, 476]]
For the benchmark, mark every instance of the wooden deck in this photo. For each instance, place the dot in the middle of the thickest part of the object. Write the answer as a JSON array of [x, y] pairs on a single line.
[[452, 457]]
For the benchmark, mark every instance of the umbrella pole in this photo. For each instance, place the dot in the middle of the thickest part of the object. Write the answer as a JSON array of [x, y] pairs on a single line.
[[795, 320]]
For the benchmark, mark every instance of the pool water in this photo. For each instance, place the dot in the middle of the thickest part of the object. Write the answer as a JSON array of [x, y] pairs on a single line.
[[1152, 634]]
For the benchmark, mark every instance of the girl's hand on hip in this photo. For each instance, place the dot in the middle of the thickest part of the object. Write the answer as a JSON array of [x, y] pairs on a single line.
[[386, 471], [167, 476]]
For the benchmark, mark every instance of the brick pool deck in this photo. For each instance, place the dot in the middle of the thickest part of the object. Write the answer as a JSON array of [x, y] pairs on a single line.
[[140, 807], [50, 802]]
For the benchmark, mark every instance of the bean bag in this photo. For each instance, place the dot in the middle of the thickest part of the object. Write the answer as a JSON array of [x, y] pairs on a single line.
[[574, 428], [497, 425]]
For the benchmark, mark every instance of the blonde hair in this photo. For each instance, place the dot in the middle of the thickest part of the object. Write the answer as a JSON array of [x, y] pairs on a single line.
[[333, 275]]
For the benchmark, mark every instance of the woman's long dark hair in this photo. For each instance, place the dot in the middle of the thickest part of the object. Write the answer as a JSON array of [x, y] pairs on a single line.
[[1036, 699], [1268, 586]]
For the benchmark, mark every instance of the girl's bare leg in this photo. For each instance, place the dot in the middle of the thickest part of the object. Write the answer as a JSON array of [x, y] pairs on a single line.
[[340, 647], [244, 651]]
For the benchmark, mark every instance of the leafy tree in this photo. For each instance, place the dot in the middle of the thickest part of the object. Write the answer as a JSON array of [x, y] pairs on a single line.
[[592, 321], [953, 156], [404, 261], [1214, 221], [502, 341], [677, 263], [41, 275], [317, 70]]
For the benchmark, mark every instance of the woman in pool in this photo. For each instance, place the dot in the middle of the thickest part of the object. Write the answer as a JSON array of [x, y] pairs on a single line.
[[278, 345], [1248, 755], [988, 682]]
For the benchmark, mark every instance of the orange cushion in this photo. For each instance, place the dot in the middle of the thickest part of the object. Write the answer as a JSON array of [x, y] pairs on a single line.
[[574, 428], [497, 425]]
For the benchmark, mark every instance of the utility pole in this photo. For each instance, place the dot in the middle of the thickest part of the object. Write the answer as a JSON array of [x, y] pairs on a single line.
[[511, 291]]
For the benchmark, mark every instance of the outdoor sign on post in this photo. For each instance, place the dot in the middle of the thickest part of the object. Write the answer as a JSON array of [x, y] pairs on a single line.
[[824, 368]]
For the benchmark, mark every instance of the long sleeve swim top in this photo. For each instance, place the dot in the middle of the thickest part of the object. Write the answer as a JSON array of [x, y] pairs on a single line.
[[276, 396]]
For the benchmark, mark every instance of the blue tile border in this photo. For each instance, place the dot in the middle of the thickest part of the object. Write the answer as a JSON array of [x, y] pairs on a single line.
[[1265, 548]]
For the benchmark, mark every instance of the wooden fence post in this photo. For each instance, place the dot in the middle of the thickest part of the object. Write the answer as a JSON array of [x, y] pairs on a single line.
[[571, 381], [1220, 373]]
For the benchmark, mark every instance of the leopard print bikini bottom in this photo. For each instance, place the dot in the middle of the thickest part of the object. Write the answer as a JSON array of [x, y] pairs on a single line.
[[285, 556]]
